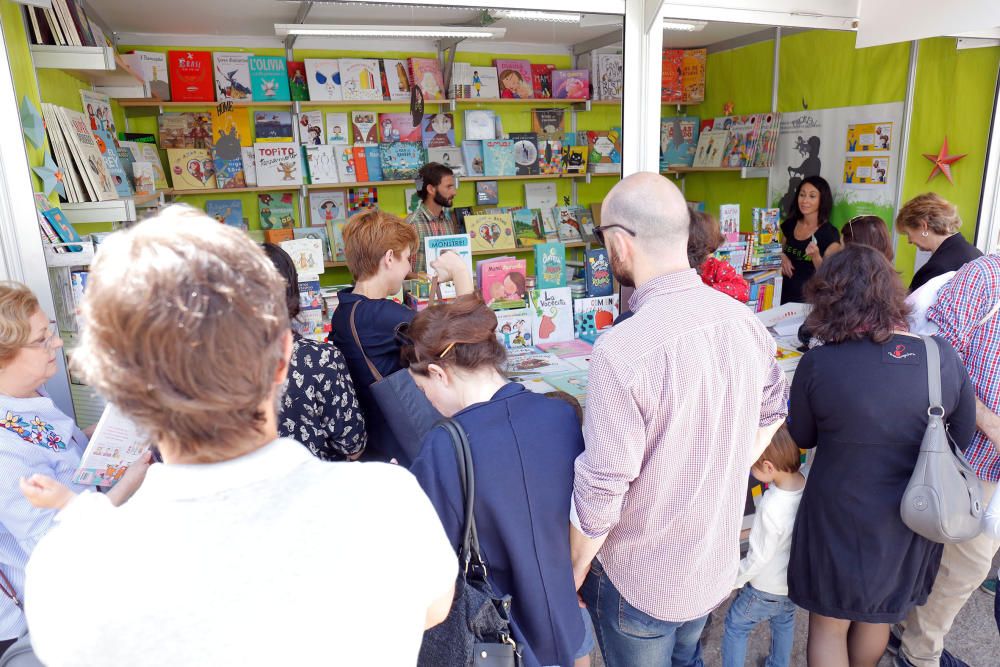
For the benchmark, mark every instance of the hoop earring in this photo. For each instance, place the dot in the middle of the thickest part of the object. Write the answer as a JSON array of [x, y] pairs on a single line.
[[923, 233]]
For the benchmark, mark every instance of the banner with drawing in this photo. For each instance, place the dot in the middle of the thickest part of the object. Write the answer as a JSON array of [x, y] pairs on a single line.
[[856, 149]]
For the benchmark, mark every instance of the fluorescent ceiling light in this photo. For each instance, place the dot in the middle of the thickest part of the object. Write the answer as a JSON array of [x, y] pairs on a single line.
[[683, 26], [529, 15], [403, 31]]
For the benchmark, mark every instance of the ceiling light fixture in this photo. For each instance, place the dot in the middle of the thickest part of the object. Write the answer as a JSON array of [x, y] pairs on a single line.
[[530, 15], [683, 26], [402, 31]]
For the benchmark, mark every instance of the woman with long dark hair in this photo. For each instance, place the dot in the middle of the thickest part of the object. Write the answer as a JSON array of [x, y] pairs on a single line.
[[808, 237]]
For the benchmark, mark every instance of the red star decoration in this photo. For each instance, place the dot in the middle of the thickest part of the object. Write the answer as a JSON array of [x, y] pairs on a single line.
[[943, 161]]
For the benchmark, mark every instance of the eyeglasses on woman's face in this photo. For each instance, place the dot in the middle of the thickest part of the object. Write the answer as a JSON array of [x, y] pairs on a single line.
[[48, 340]]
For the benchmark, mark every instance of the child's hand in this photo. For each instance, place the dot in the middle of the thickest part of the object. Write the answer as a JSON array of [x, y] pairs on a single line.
[[448, 265], [45, 493]]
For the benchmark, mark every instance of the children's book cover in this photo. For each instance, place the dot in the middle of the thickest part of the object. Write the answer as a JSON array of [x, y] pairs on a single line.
[[109, 152], [276, 210], [185, 130], [152, 68], [586, 220], [672, 78], [232, 76], [273, 126], [503, 284], [191, 168], [63, 228], [323, 79], [540, 195], [541, 80], [335, 230], [230, 127], [269, 79], [426, 73], [97, 106], [397, 80], [678, 141], [360, 164], [395, 127], [325, 207], [278, 164], [228, 172], [249, 165], [373, 156], [438, 130], [729, 222], [337, 127], [568, 223], [485, 83], [344, 156], [144, 177], [472, 153], [526, 157], [487, 193], [149, 153], [310, 292], [311, 128], [480, 124], [610, 76], [306, 254], [322, 164], [459, 244], [573, 159], [572, 84], [226, 211], [549, 123], [191, 76], [595, 314], [553, 311], [527, 227], [549, 161], [449, 156], [116, 444], [514, 328], [491, 232], [320, 234], [605, 147], [570, 349], [401, 160], [598, 273], [359, 199], [765, 224], [515, 79], [498, 158], [693, 79], [522, 367], [573, 383], [360, 79], [711, 148], [298, 84], [550, 265], [364, 125]]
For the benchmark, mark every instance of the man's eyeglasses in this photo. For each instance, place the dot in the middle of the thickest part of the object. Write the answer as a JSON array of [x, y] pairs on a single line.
[[48, 342], [599, 231]]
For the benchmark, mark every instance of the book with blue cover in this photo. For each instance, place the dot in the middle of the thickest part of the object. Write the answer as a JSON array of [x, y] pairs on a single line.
[[678, 141], [550, 265], [498, 157], [108, 147], [269, 79], [472, 153], [226, 211], [67, 233], [373, 155], [598, 270], [401, 160]]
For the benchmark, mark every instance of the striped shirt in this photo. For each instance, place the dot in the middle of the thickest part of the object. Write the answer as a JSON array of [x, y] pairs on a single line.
[[429, 225], [676, 396], [961, 305], [35, 437]]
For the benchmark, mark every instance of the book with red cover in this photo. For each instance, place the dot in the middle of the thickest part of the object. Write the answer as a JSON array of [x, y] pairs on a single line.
[[541, 80], [672, 79], [360, 164], [191, 77]]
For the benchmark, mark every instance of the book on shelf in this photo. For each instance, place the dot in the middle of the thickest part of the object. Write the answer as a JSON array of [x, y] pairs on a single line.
[[434, 246], [361, 164], [598, 273], [398, 86], [190, 74], [401, 160], [527, 227], [249, 161], [335, 229], [693, 78], [605, 151], [343, 155], [449, 156], [311, 128], [62, 227], [568, 223], [553, 308], [373, 159], [729, 222], [480, 125], [541, 80], [298, 84], [230, 127], [594, 315], [573, 159], [185, 130], [766, 222], [306, 254], [487, 193], [191, 168], [232, 76], [514, 327], [610, 76], [678, 141], [360, 199], [269, 79], [276, 210], [438, 130], [550, 265], [144, 178], [273, 126], [672, 77], [490, 232], [573, 84], [337, 128], [83, 146], [503, 282], [226, 211], [327, 206], [473, 82], [426, 73], [323, 79], [498, 157], [549, 157], [278, 235], [472, 156], [117, 443], [364, 127], [127, 162], [540, 195], [321, 164], [395, 127], [526, 157], [97, 107], [109, 153], [152, 69], [360, 79], [711, 148], [278, 164], [549, 123], [515, 79], [320, 234]]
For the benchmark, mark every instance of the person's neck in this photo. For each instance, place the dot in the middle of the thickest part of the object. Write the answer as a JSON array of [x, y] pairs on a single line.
[[373, 288], [433, 207], [15, 388], [789, 481], [479, 386], [644, 272], [267, 434], [935, 241], [811, 220]]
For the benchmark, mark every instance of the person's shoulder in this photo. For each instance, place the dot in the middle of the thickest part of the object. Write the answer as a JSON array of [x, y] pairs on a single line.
[[828, 232], [386, 312], [321, 352]]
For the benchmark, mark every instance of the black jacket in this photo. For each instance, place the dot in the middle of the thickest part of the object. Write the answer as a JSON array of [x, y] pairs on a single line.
[[954, 253]]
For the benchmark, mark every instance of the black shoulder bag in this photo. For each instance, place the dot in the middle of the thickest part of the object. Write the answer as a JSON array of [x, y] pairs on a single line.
[[476, 632]]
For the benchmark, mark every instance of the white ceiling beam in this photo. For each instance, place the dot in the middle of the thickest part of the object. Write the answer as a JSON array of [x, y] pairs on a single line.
[[881, 20], [578, 6], [794, 19]]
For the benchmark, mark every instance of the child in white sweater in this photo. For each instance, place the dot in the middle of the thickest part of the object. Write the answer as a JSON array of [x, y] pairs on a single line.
[[763, 577], [991, 527]]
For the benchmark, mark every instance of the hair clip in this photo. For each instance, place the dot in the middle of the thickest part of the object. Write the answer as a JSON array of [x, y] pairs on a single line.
[[446, 350]]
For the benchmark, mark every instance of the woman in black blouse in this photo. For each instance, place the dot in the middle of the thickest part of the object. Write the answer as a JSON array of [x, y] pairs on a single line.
[[319, 407], [807, 236], [931, 223]]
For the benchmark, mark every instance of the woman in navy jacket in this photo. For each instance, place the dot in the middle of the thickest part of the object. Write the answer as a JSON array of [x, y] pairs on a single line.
[[523, 448]]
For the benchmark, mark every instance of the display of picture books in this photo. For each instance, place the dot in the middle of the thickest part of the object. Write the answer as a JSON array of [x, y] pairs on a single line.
[[591, 316], [711, 148], [515, 79], [360, 79], [395, 127], [472, 154], [610, 76], [276, 210], [438, 130], [191, 168], [323, 79], [548, 123], [693, 80], [449, 156], [311, 128], [502, 282], [325, 207], [683, 78], [541, 79], [152, 68], [278, 164], [598, 273], [526, 158], [190, 75], [480, 125], [185, 130], [473, 82], [426, 73], [568, 223], [109, 153], [117, 443], [360, 199], [573, 159], [498, 158], [306, 254], [298, 85], [550, 265], [273, 126], [678, 141], [573, 84], [226, 211], [434, 246], [491, 231], [487, 193], [514, 328], [232, 76], [553, 315], [321, 235], [321, 164], [401, 160]]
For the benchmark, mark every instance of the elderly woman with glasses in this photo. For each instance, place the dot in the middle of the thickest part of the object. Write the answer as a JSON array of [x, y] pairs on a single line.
[[35, 437]]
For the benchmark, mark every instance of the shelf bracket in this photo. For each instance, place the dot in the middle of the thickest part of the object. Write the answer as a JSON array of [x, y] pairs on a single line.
[[300, 17]]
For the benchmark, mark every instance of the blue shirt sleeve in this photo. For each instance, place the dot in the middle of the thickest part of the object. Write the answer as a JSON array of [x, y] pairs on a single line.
[[436, 469]]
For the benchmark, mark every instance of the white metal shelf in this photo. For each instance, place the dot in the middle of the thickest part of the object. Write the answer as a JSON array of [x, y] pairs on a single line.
[[100, 65]]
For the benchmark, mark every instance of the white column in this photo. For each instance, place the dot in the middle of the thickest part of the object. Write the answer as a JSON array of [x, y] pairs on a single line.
[[988, 227], [641, 94]]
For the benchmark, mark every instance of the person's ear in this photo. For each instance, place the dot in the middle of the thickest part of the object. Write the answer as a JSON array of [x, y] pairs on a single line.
[[438, 373], [281, 372], [620, 245], [387, 258]]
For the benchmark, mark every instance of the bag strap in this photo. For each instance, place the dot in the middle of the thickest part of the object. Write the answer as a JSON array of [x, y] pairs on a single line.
[[436, 297], [989, 315], [8, 590], [467, 475], [357, 340], [933, 376]]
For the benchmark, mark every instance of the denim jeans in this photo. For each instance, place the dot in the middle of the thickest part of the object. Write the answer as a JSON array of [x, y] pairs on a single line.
[[631, 638], [750, 608]]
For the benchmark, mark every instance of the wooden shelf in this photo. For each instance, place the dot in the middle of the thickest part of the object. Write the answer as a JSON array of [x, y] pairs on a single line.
[[236, 191], [531, 100], [359, 184], [479, 253], [368, 103], [155, 103], [745, 172]]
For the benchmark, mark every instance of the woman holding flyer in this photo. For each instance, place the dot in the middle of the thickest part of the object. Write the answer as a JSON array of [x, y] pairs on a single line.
[[35, 437]]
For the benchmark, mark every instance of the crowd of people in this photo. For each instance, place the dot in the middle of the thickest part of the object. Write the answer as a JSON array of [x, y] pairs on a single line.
[[256, 539]]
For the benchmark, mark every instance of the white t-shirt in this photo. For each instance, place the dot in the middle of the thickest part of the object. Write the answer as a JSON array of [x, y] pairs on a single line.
[[923, 298], [274, 558], [766, 564]]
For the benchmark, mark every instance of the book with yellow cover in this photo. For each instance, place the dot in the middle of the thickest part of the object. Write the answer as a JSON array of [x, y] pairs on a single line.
[[491, 231]]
